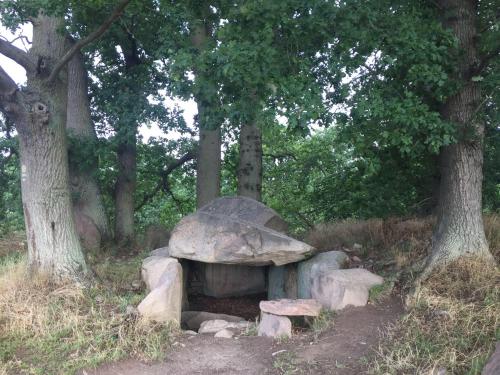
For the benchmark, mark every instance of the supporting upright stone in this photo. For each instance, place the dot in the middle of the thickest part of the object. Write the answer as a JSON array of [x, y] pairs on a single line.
[[336, 289], [308, 269], [163, 303], [154, 267], [274, 326], [282, 282]]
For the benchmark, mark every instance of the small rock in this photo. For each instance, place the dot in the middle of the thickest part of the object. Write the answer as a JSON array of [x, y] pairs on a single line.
[[291, 307], [224, 333], [441, 314], [190, 333], [136, 284], [274, 326], [356, 259], [357, 246], [131, 310]]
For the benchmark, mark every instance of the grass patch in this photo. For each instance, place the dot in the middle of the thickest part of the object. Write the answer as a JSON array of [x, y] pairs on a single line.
[[453, 325], [286, 363], [380, 293], [58, 329], [323, 322]]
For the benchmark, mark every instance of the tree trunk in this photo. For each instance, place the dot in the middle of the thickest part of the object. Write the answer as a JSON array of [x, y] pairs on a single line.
[[250, 163], [53, 244], [459, 231], [124, 190], [208, 164], [87, 200]]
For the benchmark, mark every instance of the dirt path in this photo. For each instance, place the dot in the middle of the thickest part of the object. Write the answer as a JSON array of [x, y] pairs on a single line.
[[344, 349]]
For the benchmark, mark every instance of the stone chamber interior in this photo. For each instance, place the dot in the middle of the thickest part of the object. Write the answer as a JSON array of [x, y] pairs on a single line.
[[224, 289]]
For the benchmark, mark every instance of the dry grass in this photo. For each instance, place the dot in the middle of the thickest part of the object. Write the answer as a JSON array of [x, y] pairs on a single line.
[[41, 324], [373, 234], [12, 244], [453, 326], [492, 230], [346, 233]]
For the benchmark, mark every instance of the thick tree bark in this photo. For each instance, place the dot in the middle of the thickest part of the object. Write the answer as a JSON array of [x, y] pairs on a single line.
[[87, 200], [53, 244], [208, 166], [459, 231], [250, 163], [124, 191]]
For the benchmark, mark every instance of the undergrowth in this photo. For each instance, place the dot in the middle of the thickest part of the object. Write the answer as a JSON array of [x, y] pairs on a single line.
[[49, 329], [453, 326]]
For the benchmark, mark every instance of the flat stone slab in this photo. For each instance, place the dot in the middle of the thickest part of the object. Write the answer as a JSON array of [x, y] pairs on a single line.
[[194, 319], [214, 326], [224, 333], [214, 238], [291, 307]]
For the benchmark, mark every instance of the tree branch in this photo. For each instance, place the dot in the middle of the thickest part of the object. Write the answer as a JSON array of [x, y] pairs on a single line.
[[7, 84], [485, 61], [163, 183], [10, 97], [117, 12], [17, 54]]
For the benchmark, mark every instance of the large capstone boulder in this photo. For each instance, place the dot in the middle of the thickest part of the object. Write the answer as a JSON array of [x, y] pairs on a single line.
[[224, 280], [318, 264], [163, 303], [221, 280], [214, 238], [246, 209], [336, 289]]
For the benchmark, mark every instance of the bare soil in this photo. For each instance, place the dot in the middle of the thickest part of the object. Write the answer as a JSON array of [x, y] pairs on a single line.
[[345, 349]]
